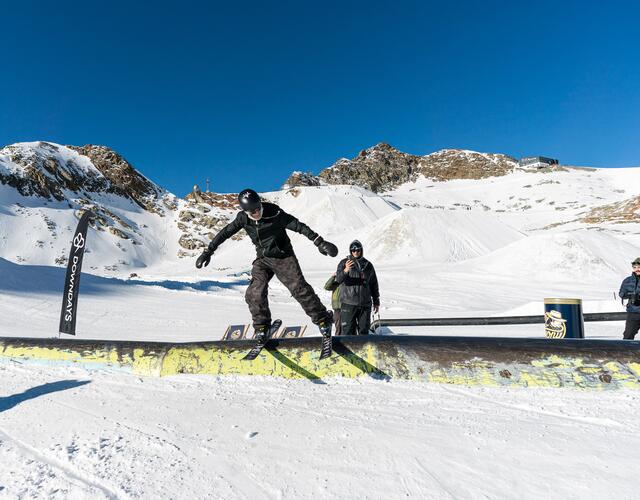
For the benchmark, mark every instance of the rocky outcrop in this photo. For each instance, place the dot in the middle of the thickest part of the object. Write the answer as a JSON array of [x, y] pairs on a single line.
[[383, 167], [56, 172], [379, 168], [301, 179], [448, 164], [203, 217], [621, 212], [124, 180], [41, 170], [221, 201]]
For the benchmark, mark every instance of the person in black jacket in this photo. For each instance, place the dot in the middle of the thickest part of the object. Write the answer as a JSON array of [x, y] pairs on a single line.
[[267, 224], [359, 291], [630, 291]]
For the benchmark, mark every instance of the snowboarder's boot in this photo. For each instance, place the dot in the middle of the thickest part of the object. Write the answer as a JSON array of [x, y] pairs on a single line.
[[325, 324], [261, 333]]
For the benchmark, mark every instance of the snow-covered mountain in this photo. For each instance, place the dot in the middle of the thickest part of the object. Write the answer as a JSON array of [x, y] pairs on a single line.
[[45, 187], [449, 206], [454, 242]]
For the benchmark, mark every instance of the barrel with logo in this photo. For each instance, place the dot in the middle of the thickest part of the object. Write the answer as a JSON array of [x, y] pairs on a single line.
[[563, 319]]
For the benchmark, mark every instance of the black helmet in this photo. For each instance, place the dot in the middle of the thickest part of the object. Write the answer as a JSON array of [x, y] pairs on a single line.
[[249, 200]]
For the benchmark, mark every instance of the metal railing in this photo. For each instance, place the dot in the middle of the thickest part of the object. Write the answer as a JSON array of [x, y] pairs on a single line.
[[488, 320]]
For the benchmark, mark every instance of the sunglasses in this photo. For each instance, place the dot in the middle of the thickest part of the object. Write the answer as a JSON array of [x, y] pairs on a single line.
[[356, 249]]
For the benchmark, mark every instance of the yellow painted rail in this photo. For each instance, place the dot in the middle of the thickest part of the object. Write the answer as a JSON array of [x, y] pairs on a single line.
[[479, 361]]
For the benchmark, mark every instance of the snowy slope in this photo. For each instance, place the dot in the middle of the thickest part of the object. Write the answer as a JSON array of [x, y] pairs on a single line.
[[38, 230], [459, 247], [436, 236], [114, 436]]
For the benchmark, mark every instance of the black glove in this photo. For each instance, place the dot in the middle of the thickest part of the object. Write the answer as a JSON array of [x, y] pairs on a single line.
[[204, 258], [326, 248]]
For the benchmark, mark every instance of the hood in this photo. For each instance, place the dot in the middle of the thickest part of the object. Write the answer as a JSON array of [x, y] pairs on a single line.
[[356, 242]]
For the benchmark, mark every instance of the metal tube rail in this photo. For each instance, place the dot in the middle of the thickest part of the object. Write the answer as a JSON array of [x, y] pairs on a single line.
[[488, 320]]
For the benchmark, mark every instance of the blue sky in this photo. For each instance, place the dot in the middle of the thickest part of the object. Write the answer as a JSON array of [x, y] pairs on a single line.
[[246, 92]]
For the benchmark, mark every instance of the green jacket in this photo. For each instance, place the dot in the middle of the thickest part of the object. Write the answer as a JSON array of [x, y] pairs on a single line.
[[333, 286]]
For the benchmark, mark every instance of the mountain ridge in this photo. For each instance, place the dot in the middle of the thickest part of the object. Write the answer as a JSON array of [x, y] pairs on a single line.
[[382, 167], [45, 187]]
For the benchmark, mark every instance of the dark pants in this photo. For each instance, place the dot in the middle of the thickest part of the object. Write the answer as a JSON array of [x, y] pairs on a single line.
[[336, 322], [631, 326], [355, 319], [288, 271]]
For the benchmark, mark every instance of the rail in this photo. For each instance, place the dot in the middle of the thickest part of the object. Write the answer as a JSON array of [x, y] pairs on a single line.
[[488, 320]]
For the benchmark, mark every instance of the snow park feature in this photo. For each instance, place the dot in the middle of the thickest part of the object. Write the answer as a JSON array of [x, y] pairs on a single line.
[[470, 361], [146, 401]]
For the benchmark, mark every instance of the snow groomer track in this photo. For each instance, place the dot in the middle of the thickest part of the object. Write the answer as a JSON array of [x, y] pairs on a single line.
[[478, 361]]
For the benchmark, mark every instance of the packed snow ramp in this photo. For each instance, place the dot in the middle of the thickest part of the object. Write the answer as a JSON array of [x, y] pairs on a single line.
[[479, 361]]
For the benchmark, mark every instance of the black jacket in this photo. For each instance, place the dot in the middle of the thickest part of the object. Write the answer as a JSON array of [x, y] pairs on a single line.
[[268, 234], [630, 289], [360, 285]]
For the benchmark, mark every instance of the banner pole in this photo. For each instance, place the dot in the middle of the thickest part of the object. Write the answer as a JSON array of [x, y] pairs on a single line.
[[69, 311]]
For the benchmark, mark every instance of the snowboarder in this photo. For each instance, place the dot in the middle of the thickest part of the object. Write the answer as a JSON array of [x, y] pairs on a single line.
[[266, 225], [630, 290], [358, 291]]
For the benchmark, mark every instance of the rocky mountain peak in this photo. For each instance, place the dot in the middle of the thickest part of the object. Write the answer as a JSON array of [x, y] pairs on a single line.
[[448, 164], [301, 179], [123, 178], [53, 171], [383, 167], [377, 168]]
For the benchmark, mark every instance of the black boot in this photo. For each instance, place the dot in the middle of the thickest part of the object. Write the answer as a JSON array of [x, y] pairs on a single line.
[[325, 324], [261, 333]]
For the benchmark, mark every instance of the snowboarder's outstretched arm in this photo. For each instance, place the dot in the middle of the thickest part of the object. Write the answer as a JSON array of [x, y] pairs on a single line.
[[227, 232], [293, 224]]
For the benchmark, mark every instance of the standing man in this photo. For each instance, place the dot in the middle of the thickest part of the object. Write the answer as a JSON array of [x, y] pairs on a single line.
[[629, 290], [358, 291], [267, 224]]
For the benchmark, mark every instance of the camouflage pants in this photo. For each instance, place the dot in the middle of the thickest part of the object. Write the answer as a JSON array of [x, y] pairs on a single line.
[[288, 271]]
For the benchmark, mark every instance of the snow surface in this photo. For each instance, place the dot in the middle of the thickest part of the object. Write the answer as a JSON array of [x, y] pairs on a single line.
[[496, 246], [71, 434]]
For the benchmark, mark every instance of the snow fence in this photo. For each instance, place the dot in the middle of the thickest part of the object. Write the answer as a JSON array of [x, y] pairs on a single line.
[[476, 361]]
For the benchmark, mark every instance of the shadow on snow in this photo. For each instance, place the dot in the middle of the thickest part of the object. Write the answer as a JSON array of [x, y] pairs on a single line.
[[8, 402], [50, 280]]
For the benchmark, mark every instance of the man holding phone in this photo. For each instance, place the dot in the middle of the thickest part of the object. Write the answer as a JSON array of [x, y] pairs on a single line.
[[359, 291]]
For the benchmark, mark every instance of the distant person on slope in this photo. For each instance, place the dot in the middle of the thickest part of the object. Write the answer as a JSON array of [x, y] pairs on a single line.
[[334, 287], [630, 290], [358, 291], [266, 225]]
